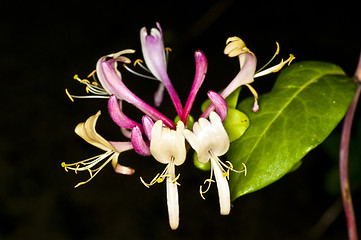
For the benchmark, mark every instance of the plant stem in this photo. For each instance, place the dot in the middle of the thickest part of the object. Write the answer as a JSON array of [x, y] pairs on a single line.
[[344, 150]]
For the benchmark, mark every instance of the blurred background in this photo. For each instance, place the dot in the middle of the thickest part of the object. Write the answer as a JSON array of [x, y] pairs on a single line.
[[42, 46]]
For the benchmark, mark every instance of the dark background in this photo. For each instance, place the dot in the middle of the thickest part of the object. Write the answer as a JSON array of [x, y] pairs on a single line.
[[42, 46]]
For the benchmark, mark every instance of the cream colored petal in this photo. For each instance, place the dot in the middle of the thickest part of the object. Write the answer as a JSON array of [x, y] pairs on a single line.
[[223, 188], [86, 130]]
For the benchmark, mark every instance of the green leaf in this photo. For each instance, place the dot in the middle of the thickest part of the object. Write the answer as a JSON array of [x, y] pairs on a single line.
[[306, 103]]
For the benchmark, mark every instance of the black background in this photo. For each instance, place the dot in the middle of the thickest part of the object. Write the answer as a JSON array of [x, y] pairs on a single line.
[[42, 46]]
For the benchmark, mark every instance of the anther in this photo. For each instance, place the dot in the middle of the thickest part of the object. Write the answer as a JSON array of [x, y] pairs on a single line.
[[92, 73], [68, 94], [136, 61]]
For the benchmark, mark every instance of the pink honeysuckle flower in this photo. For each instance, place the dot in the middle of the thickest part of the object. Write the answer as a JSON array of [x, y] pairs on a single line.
[[115, 85], [235, 47], [155, 59], [86, 130]]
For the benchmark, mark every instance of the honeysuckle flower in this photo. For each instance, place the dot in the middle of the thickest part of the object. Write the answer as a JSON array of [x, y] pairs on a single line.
[[167, 146], [155, 59], [210, 140], [235, 47], [109, 76], [99, 88], [86, 130]]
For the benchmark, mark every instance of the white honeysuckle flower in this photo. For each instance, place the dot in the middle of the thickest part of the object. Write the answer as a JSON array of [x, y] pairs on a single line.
[[210, 140], [168, 147], [86, 130]]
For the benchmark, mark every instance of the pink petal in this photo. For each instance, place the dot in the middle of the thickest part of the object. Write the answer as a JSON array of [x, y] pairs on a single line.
[[118, 116], [219, 104], [123, 170], [147, 126], [140, 146], [201, 69]]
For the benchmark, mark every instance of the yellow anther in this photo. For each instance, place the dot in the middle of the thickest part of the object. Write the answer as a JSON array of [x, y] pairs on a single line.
[[230, 164], [290, 59], [245, 169], [278, 48], [92, 73], [136, 61], [86, 81], [168, 49], [68, 94], [225, 174], [144, 183], [175, 179], [76, 169], [95, 83]]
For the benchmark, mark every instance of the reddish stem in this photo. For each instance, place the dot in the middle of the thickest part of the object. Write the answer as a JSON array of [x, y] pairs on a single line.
[[344, 150]]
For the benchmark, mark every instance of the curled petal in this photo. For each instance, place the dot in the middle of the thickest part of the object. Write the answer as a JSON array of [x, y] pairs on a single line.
[[86, 130], [147, 126], [140, 146], [118, 116], [219, 104], [235, 47], [123, 169]]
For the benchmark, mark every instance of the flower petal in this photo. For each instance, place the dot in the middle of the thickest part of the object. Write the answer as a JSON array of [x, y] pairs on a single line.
[[123, 170], [219, 104], [201, 70], [245, 76], [86, 130], [167, 144], [223, 188], [172, 203], [140, 146], [118, 116], [147, 126]]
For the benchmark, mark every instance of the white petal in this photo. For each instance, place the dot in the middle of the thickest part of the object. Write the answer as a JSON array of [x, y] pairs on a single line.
[[223, 188], [172, 202]]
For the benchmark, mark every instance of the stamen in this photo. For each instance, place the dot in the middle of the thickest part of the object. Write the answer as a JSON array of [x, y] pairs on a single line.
[[88, 164], [273, 57], [140, 63], [159, 178], [139, 74], [68, 94], [92, 73], [136, 61]]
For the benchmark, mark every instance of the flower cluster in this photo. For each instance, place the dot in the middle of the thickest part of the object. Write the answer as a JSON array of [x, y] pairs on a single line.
[[155, 134]]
